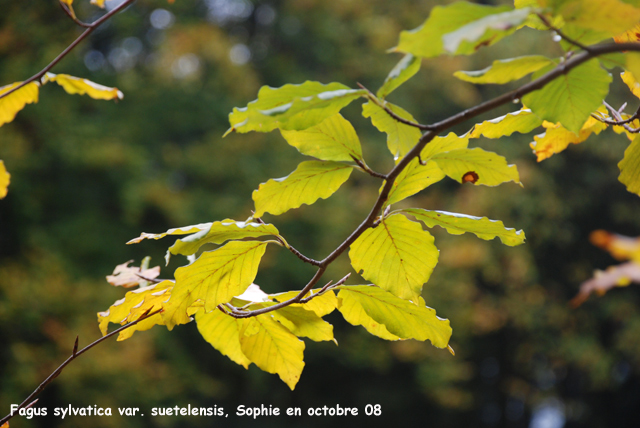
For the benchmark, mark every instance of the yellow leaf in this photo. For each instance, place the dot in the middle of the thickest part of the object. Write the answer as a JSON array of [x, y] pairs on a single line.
[[631, 82], [557, 138], [321, 305], [77, 85], [222, 332], [630, 167], [15, 101], [521, 121], [632, 35], [133, 305], [413, 179], [99, 3], [5, 179], [303, 323], [273, 348], [67, 2]]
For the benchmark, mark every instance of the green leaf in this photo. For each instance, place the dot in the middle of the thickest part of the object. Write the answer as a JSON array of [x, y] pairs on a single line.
[[522, 121], [223, 333], [570, 99], [403, 71], [321, 305], [610, 16], [273, 348], [15, 101], [292, 107], [630, 167], [427, 40], [309, 182], [332, 140], [362, 304], [185, 230], [457, 224], [414, 178], [214, 278], [400, 137], [490, 169], [397, 255], [505, 70], [444, 144], [219, 232], [585, 36]]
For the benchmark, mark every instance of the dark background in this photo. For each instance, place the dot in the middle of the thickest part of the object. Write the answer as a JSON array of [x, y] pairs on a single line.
[[89, 175]]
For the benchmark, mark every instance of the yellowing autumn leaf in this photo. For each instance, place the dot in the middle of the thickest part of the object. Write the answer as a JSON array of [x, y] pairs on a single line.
[[397, 255], [521, 121], [557, 137], [630, 80], [130, 276], [223, 333], [363, 304], [414, 178], [5, 179], [630, 167], [273, 348], [67, 2], [99, 3], [321, 305], [11, 104], [214, 278], [400, 137], [477, 166], [77, 85]]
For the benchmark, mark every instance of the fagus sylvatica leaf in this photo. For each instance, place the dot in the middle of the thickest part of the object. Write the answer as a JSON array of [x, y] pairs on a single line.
[[223, 333], [292, 107], [505, 70], [11, 104], [273, 348], [131, 276], [444, 144], [557, 138], [5, 179], [302, 322], [522, 121], [609, 16], [457, 224], [489, 168], [311, 181], [630, 167], [334, 139], [80, 86], [371, 306], [458, 29], [185, 230], [629, 79], [397, 255], [321, 305], [414, 178], [221, 231], [214, 278], [570, 98], [400, 137], [403, 71], [620, 247]]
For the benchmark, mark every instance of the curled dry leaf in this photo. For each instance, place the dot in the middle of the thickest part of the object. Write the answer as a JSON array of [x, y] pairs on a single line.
[[129, 276]]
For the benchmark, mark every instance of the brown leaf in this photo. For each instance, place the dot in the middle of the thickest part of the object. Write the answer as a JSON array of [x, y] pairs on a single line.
[[603, 281], [126, 276]]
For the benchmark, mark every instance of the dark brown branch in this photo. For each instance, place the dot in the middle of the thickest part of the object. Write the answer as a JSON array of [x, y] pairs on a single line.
[[366, 168], [75, 354], [383, 105], [561, 34], [91, 27], [303, 257]]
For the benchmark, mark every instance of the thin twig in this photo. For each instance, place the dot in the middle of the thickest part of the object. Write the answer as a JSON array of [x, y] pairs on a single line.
[[81, 37], [617, 115], [561, 34], [71, 14], [75, 354], [383, 105], [303, 257], [366, 168]]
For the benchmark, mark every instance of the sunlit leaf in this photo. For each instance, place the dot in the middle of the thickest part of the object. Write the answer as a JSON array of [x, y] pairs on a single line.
[[303, 323], [400, 318], [444, 144], [311, 181], [223, 333], [400, 137], [610, 16], [273, 348], [11, 104], [490, 168], [99, 3], [414, 178], [585, 36], [214, 278], [557, 138], [332, 140], [397, 255], [457, 224], [619, 246], [629, 79], [133, 305], [630, 167], [292, 107], [80, 86], [5, 179], [403, 71], [219, 232], [67, 2], [505, 70], [130, 276], [321, 305], [570, 98], [522, 121], [428, 41], [185, 230]]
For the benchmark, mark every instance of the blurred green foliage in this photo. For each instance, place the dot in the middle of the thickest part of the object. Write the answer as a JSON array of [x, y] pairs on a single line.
[[87, 176]]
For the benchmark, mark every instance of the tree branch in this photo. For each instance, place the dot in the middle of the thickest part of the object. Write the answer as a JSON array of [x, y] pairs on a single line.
[[383, 105], [74, 354], [561, 34], [90, 28]]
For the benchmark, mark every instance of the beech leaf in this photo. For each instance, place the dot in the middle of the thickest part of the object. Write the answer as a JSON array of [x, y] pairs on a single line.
[[522, 121], [630, 167], [5, 179], [15, 101], [397, 255], [413, 179], [400, 137], [557, 138], [223, 333], [311, 181], [408, 66], [321, 305], [488, 168], [130, 276], [505, 70], [76, 85]]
